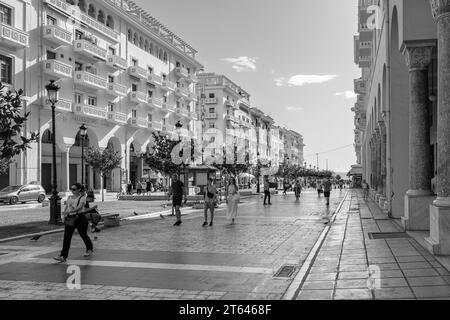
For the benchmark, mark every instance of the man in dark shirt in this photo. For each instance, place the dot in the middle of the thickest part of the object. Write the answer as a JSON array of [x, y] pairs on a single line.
[[176, 193], [327, 190]]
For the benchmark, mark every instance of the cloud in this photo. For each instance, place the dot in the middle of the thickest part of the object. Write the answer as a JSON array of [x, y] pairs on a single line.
[[294, 109], [300, 80], [347, 94], [241, 64]]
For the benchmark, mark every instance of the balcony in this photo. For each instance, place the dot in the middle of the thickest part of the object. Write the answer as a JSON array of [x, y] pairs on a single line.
[[116, 62], [230, 103], [154, 79], [91, 111], [166, 108], [181, 92], [167, 128], [193, 78], [364, 61], [117, 117], [231, 118], [57, 35], [57, 69], [12, 37], [168, 85], [61, 105], [182, 72], [211, 115], [192, 97], [181, 112], [137, 97], [137, 72], [210, 100], [194, 116], [155, 125], [360, 86], [155, 102], [74, 13], [90, 80], [116, 90], [89, 49]]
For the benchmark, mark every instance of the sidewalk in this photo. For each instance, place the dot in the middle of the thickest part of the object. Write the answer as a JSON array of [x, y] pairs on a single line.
[[400, 268]]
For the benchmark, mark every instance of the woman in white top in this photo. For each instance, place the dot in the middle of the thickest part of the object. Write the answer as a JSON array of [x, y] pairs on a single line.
[[233, 200], [74, 208]]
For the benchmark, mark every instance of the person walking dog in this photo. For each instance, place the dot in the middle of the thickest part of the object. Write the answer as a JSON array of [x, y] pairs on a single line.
[[75, 219]]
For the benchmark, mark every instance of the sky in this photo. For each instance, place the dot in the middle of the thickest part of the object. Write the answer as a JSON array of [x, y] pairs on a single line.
[[294, 57]]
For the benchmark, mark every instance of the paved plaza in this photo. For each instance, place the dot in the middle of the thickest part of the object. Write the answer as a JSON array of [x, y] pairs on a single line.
[[151, 259]]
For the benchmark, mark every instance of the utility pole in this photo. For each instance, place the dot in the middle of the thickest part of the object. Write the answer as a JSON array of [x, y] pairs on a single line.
[[327, 164], [317, 155]]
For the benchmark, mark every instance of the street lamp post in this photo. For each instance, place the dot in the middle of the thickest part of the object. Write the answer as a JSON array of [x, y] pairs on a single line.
[[178, 127], [55, 201], [83, 133]]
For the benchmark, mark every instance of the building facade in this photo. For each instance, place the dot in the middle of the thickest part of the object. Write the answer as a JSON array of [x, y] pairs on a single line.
[[122, 73], [402, 135], [293, 147]]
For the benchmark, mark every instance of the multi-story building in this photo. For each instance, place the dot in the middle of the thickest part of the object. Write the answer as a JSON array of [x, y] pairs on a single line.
[[293, 147], [122, 73], [402, 130]]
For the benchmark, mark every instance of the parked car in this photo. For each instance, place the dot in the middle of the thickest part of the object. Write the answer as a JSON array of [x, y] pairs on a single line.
[[22, 193]]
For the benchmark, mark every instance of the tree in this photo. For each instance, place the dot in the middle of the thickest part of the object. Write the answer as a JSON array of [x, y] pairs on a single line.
[[159, 155], [103, 161], [12, 141]]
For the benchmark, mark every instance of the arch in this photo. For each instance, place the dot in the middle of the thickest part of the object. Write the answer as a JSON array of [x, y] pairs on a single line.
[[165, 56], [141, 42], [130, 35], [151, 48], [71, 2], [114, 144], [82, 5], [91, 11], [135, 38], [46, 137], [101, 16], [110, 21]]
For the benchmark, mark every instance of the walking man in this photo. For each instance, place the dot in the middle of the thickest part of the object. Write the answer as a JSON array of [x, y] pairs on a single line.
[[210, 201], [327, 190], [176, 193], [365, 187], [266, 190]]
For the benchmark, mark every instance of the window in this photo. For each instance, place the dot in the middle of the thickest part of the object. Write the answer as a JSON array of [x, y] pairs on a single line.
[[150, 70], [82, 5], [212, 95], [188, 70], [78, 35], [135, 38], [213, 139], [149, 117], [165, 57], [110, 79], [151, 48], [101, 16], [5, 69], [150, 93], [212, 125], [78, 66], [212, 110], [92, 101], [164, 76], [134, 87], [110, 22], [134, 62], [178, 64], [5, 15], [78, 98], [51, 21], [134, 113], [71, 2], [141, 42], [46, 137], [146, 45], [165, 99], [130, 35], [51, 55], [91, 11], [110, 107], [112, 51]]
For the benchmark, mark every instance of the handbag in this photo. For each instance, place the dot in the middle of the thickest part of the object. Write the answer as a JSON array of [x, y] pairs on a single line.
[[70, 220]]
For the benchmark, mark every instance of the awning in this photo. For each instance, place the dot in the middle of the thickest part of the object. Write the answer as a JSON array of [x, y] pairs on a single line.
[[246, 175], [356, 170]]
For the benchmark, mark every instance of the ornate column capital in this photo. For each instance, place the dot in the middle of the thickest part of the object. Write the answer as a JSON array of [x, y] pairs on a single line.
[[439, 8], [418, 54]]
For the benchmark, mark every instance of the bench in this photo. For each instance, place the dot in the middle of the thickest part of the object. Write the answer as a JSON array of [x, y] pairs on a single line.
[[111, 220]]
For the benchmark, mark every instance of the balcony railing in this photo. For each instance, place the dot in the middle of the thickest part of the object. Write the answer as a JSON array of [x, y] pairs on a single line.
[[156, 125], [182, 72], [193, 78], [137, 72], [231, 118], [143, 123], [118, 117], [90, 80], [137, 97], [168, 85], [61, 105], [230, 103], [211, 115], [210, 100], [89, 49], [167, 128], [183, 112], [91, 111], [117, 90], [154, 79], [74, 12], [191, 96], [117, 62], [155, 102], [57, 68], [181, 92], [13, 37], [57, 35], [166, 107]]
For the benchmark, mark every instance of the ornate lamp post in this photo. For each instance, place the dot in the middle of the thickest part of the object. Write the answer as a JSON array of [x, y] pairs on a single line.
[[178, 127], [55, 201], [83, 134]]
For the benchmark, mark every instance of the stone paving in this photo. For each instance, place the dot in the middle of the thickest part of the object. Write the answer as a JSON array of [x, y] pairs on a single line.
[[151, 259], [351, 266]]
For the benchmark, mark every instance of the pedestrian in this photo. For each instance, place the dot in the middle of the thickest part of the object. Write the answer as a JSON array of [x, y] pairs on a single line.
[[232, 200], [297, 189], [327, 190], [74, 220], [148, 186], [210, 201], [129, 187], [365, 187], [138, 187], [319, 188], [266, 191], [176, 193], [285, 187]]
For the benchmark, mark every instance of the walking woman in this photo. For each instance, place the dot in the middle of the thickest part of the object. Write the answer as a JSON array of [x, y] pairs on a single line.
[[73, 212], [233, 200]]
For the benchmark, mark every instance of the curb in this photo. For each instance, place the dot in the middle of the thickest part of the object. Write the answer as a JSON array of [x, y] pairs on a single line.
[[294, 288]]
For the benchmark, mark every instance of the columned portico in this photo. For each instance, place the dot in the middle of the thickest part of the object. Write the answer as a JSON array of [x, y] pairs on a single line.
[[419, 197], [440, 210], [382, 131]]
